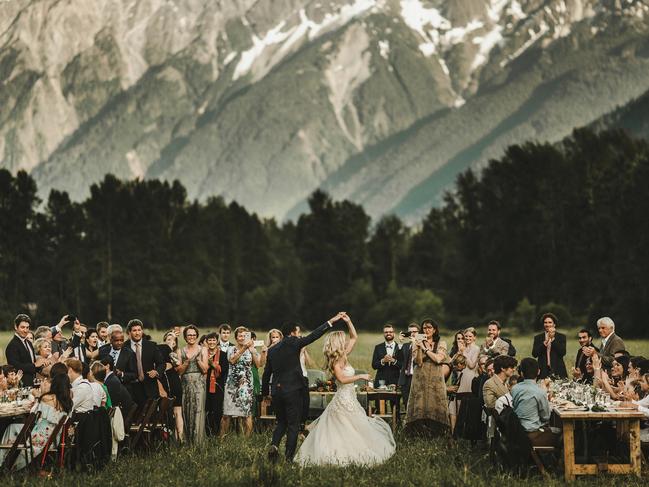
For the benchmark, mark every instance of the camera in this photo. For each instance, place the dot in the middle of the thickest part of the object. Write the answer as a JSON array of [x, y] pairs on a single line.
[[404, 334], [247, 336], [71, 318]]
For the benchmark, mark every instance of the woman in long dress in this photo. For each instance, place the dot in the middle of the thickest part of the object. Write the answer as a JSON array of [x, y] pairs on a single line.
[[427, 413], [344, 434], [239, 387], [192, 369]]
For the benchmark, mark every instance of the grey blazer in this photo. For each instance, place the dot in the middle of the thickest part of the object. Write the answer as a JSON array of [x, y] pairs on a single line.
[[613, 344]]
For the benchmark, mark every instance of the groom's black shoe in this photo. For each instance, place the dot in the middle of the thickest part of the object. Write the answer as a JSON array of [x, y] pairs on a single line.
[[273, 454]]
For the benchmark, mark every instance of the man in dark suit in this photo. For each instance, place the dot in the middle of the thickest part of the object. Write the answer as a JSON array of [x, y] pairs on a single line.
[[549, 348], [611, 343], [407, 364], [119, 394], [122, 357], [283, 363], [148, 361], [387, 358], [20, 352], [585, 340]]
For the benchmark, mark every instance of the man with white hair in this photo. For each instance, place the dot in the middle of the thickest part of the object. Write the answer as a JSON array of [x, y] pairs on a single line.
[[611, 343]]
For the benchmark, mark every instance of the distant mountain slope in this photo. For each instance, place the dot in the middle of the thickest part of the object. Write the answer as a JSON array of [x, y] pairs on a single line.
[[263, 101]]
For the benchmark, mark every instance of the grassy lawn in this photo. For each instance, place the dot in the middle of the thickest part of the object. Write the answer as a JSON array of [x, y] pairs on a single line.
[[239, 461]]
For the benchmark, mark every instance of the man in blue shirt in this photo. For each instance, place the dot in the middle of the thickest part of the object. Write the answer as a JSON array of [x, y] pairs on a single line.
[[531, 405]]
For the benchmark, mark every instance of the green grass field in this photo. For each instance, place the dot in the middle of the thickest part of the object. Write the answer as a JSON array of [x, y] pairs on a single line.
[[239, 461]]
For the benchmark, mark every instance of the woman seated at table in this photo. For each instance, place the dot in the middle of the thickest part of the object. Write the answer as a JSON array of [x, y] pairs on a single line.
[[52, 406], [615, 385]]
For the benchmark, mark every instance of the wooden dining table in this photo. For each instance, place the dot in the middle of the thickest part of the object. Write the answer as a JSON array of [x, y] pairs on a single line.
[[626, 421]]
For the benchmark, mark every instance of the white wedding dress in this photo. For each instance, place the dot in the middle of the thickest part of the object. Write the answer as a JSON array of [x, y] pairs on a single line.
[[344, 434]]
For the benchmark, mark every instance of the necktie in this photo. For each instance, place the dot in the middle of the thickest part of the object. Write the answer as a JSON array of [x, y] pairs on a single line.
[[29, 350], [548, 354], [138, 356]]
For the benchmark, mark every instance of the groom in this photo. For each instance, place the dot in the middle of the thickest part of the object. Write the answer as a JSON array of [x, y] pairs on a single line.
[[283, 364]]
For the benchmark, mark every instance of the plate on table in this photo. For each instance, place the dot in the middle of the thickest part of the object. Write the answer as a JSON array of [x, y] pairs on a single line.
[[620, 408], [573, 408]]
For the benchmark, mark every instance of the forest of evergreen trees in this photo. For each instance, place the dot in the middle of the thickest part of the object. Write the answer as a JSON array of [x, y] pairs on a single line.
[[547, 227]]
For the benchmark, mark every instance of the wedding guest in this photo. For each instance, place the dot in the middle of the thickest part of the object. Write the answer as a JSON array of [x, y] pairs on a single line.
[[611, 343], [427, 413], [387, 358], [123, 359], [256, 383], [43, 332], [92, 344], [102, 334], [119, 395], [3, 380], [408, 364], [50, 408], [550, 348], [192, 368], [458, 344], [494, 345], [273, 337], [531, 405], [224, 337], [78, 344], [149, 366], [471, 352], [96, 377], [30, 336], [20, 351], [506, 400], [13, 376], [586, 350], [216, 361], [638, 366], [239, 394], [172, 383], [496, 386], [82, 392]]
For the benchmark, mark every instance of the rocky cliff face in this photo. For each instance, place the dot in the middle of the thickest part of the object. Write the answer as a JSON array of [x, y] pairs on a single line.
[[379, 101]]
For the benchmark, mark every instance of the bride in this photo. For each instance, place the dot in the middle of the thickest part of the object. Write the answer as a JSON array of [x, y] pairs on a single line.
[[344, 434]]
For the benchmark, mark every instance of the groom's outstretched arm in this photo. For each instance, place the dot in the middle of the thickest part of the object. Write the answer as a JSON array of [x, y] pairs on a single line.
[[314, 335]]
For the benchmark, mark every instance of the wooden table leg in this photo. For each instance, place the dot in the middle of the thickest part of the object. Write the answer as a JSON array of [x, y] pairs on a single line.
[[634, 446], [569, 449]]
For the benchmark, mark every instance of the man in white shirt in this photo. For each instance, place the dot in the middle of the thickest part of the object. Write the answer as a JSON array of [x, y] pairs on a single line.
[[82, 392]]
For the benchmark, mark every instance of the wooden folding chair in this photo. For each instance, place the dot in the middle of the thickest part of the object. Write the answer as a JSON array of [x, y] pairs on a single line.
[[266, 419], [159, 425], [51, 448], [22, 443], [137, 430]]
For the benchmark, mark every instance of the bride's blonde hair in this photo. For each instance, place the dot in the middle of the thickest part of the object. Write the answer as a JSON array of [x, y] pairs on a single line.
[[334, 349]]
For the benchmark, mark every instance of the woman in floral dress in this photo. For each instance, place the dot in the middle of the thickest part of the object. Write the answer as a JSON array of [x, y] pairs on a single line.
[[239, 391]]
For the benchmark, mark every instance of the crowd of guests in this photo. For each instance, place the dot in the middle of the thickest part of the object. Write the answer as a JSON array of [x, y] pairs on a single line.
[[213, 379], [210, 380], [456, 391]]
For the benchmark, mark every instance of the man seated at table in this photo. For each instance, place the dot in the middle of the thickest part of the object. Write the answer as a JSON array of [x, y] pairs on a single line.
[[496, 386], [82, 393], [532, 407]]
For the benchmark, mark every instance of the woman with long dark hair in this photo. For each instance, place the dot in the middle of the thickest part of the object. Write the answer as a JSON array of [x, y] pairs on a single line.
[[52, 406], [427, 413]]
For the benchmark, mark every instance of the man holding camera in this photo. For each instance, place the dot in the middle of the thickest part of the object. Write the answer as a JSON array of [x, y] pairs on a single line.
[[387, 359]]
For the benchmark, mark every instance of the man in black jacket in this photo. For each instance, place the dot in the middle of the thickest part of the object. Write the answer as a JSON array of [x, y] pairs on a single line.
[[20, 352], [549, 348], [387, 358], [148, 362], [122, 357], [407, 366], [119, 394], [283, 364]]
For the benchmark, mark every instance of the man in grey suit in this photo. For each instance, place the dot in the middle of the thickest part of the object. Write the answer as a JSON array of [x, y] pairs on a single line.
[[611, 343]]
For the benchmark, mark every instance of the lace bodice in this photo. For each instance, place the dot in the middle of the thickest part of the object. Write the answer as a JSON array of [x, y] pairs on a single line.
[[345, 397]]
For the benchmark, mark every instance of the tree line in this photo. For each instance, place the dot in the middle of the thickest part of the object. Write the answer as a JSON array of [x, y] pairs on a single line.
[[559, 228]]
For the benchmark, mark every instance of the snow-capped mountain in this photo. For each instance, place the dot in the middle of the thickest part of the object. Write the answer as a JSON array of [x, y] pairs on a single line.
[[379, 101]]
